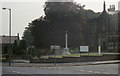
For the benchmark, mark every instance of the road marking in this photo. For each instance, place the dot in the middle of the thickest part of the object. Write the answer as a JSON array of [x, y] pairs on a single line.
[[18, 72], [82, 70], [60, 68], [54, 67], [49, 67], [90, 71], [106, 73], [96, 72], [44, 67], [8, 71], [15, 72]]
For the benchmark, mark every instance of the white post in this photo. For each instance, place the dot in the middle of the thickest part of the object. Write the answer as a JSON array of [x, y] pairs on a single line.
[[99, 49], [66, 39]]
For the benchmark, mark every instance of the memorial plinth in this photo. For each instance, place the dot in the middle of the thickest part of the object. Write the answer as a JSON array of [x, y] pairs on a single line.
[[66, 49]]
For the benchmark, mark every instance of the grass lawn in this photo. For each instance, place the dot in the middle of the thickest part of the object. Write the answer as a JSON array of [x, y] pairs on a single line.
[[2, 58]]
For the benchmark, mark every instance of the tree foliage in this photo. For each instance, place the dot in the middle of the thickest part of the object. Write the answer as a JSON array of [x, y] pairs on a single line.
[[60, 16], [19, 48], [50, 30], [27, 34]]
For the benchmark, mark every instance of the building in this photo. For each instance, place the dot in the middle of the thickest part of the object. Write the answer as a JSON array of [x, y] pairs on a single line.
[[113, 43], [4, 42], [104, 29], [111, 10]]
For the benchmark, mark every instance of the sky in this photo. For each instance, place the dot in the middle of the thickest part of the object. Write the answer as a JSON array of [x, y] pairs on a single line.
[[25, 11]]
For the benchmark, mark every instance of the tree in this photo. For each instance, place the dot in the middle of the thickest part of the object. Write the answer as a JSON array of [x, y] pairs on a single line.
[[19, 48], [15, 47], [27, 35], [60, 16]]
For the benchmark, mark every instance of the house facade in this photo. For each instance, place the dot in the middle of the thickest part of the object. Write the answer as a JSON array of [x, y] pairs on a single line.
[[5, 44], [104, 32]]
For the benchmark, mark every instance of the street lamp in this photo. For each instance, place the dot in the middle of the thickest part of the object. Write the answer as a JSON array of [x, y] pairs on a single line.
[[9, 34]]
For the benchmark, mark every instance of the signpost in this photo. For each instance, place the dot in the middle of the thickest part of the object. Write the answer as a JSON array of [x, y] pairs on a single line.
[[54, 48], [31, 49], [84, 49]]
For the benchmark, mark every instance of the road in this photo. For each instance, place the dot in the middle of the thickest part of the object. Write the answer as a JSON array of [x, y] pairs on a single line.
[[88, 69]]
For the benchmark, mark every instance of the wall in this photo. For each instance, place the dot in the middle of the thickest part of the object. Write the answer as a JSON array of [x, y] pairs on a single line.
[[105, 57]]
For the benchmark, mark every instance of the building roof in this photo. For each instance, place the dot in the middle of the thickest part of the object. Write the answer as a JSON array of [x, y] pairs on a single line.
[[5, 39]]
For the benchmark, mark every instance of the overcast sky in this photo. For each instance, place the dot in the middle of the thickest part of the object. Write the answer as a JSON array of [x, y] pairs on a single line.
[[24, 11]]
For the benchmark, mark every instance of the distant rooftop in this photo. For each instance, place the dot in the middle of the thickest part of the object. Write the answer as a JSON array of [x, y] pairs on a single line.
[[5, 39]]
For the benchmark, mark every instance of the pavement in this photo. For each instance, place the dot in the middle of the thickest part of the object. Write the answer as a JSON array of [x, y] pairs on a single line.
[[29, 69], [25, 63]]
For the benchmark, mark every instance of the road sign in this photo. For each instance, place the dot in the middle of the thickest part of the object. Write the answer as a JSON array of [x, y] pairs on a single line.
[[55, 47], [84, 49]]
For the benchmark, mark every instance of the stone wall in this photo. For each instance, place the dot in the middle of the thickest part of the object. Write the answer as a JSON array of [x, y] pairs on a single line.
[[104, 57]]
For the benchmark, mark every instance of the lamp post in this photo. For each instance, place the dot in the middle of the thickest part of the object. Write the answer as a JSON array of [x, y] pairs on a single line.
[[9, 52]]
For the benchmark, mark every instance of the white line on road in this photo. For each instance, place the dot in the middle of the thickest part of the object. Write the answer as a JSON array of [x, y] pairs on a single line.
[[18, 72], [90, 71], [44, 67], [82, 70], [106, 73], [60, 68], [54, 67], [15, 72], [49, 67], [96, 72], [40, 67]]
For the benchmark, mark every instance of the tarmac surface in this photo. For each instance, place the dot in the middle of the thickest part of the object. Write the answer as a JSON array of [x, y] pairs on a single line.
[[101, 68], [88, 69]]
